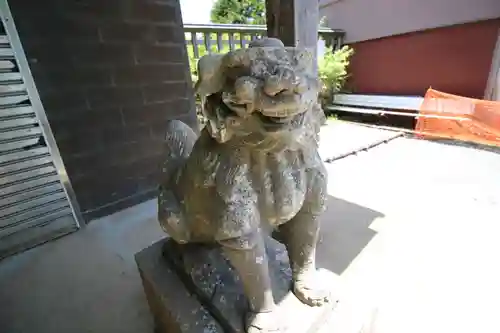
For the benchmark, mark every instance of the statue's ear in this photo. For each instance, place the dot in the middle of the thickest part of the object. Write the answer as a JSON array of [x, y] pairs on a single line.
[[211, 76]]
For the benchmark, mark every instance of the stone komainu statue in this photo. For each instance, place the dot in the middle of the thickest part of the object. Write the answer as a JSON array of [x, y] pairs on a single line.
[[254, 167]]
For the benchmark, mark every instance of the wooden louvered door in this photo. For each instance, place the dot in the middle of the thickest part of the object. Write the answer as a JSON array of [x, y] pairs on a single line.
[[36, 200]]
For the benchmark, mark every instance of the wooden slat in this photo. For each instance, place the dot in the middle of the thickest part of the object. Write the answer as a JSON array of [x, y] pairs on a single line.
[[12, 88], [378, 101], [54, 212], [4, 39], [34, 233], [16, 111], [20, 133], [19, 144], [26, 175], [42, 190], [6, 52], [6, 100], [25, 164], [37, 221], [7, 64], [10, 77], [9, 211], [49, 207], [19, 188], [16, 122], [21, 155]]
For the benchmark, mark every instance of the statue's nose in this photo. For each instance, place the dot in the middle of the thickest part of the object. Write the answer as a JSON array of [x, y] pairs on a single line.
[[245, 89], [284, 80]]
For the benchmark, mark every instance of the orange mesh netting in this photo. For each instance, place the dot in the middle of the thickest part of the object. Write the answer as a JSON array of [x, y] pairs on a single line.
[[460, 118]]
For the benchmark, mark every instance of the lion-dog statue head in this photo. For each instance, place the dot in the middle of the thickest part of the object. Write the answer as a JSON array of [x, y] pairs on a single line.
[[264, 96]]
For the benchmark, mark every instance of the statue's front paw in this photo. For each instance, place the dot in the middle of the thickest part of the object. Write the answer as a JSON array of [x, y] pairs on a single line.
[[309, 291], [263, 322]]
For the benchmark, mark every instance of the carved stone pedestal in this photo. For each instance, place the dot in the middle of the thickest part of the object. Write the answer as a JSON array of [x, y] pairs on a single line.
[[193, 289]]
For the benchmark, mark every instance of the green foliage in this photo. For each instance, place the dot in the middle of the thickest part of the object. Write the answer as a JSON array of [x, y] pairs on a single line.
[[202, 50], [239, 12], [332, 69]]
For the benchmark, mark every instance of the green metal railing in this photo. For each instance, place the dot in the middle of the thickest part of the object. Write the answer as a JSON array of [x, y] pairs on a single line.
[[210, 38]]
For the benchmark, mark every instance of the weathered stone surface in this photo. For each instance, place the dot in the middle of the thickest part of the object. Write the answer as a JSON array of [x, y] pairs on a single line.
[[254, 167], [218, 284], [210, 298], [174, 308]]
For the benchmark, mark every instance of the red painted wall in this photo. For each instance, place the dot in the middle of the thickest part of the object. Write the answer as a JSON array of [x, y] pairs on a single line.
[[454, 59]]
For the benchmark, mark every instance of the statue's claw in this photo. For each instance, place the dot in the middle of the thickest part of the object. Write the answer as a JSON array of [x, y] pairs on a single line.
[[307, 291], [263, 322]]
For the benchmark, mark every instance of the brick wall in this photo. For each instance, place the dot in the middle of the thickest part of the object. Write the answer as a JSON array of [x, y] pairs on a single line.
[[110, 74]]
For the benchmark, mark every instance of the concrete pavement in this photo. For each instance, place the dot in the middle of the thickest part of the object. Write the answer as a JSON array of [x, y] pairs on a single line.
[[411, 233], [339, 138], [429, 265]]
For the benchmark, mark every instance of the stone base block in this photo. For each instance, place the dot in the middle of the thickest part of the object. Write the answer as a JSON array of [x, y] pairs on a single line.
[[193, 289]]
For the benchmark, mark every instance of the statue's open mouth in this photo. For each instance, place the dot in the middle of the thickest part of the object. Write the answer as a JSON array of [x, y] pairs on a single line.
[[277, 120], [272, 121], [280, 123]]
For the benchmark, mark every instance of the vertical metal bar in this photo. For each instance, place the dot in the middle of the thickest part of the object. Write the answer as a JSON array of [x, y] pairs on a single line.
[[194, 41], [36, 103], [220, 45], [242, 40], [330, 41], [231, 41], [208, 41], [338, 42]]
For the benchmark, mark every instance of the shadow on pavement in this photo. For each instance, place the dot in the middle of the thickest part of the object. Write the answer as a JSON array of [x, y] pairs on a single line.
[[345, 231]]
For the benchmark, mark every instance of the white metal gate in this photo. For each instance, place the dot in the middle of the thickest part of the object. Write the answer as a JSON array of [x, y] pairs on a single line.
[[36, 200]]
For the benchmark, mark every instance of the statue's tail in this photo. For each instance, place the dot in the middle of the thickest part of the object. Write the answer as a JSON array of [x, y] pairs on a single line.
[[179, 142]]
